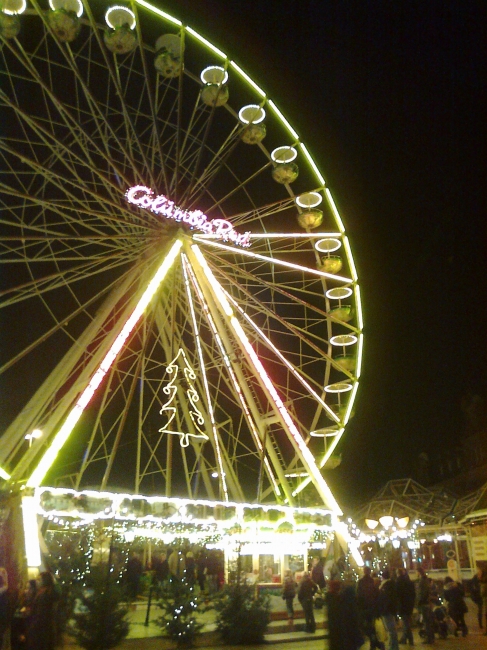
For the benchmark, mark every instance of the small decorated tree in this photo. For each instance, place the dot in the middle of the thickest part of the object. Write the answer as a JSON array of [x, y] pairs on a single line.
[[242, 615], [179, 604], [100, 618]]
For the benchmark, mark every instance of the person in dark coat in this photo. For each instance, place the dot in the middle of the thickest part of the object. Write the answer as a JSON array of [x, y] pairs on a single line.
[[133, 574], [475, 588], [317, 573], [334, 613], [406, 597], [42, 630], [160, 566], [201, 570], [306, 591], [425, 605], [454, 595], [351, 634], [190, 571], [289, 593], [368, 607], [4, 605], [388, 608], [343, 618], [22, 616]]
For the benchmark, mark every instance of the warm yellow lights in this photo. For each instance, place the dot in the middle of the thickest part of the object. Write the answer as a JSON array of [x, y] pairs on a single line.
[[306, 454], [214, 74], [251, 114], [246, 77], [328, 245], [278, 262], [343, 339], [371, 523], [326, 432], [76, 412], [360, 350], [351, 401], [402, 522], [37, 433], [339, 387], [118, 16], [75, 6], [386, 521], [283, 119], [158, 12], [209, 404], [3, 474], [278, 353], [339, 293], [205, 42], [31, 531], [358, 305], [13, 7], [351, 263], [333, 207], [309, 200], [284, 154]]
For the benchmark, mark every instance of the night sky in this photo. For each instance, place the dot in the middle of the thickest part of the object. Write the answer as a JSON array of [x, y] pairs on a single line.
[[390, 98]]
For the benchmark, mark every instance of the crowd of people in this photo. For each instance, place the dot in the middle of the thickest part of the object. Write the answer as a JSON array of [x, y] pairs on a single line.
[[204, 569], [32, 616], [378, 607], [383, 607]]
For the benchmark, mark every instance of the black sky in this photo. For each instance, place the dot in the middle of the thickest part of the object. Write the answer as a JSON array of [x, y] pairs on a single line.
[[390, 97]]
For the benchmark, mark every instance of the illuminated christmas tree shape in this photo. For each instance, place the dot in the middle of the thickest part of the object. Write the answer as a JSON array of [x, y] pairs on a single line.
[[171, 391]]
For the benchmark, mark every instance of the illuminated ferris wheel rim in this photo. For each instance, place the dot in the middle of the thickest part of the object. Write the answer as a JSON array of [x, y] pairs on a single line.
[[310, 200]]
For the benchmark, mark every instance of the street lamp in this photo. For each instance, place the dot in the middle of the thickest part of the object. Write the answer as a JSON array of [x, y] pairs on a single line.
[[37, 433]]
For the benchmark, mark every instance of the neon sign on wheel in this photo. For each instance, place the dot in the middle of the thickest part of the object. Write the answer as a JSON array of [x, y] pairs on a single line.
[[144, 197]]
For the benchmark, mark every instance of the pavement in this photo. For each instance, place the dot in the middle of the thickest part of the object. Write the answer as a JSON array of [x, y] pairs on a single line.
[[145, 634]]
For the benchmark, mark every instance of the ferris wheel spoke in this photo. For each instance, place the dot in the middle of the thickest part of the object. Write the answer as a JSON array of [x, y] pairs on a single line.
[[114, 76], [271, 316], [61, 152], [297, 372], [68, 119], [53, 179], [263, 285], [277, 262], [217, 160], [261, 212], [241, 386]]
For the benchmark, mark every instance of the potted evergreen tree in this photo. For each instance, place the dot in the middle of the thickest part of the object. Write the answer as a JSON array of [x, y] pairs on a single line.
[[99, 621], [179, 603]]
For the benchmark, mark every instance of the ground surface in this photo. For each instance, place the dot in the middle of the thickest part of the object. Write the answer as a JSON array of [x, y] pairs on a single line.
[[148, 637]]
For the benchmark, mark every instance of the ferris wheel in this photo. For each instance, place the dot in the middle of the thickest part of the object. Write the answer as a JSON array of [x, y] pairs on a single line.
[[179, 301]]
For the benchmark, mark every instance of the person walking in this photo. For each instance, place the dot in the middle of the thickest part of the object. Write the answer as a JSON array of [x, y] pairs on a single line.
[[454, 593], [41, 632], [475, 587], [368, 608], [133, 573], [306, 591], [317, 573], [388, 608], [406, 597], [289, 593], [424, 605]]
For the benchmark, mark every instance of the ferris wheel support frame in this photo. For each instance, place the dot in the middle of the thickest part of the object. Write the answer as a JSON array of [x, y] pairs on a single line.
[[282, 413], [251, 411]]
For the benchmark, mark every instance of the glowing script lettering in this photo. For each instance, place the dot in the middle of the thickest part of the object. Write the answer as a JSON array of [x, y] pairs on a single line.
[[144, 197]]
